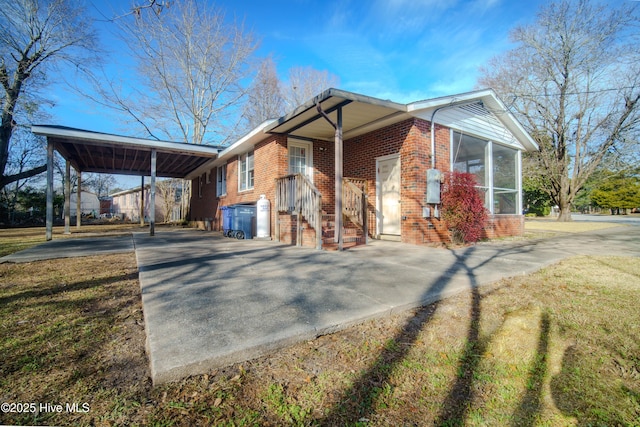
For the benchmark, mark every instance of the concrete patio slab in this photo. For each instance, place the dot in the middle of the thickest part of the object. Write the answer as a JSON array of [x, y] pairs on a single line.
[[210, 301]]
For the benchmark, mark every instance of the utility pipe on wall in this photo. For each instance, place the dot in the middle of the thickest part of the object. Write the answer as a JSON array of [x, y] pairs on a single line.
[[433, 126]]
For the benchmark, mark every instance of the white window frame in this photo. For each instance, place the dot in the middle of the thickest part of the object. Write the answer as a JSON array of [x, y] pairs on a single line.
[[308, 146], [489, 188], [221, 180], [247, 159]]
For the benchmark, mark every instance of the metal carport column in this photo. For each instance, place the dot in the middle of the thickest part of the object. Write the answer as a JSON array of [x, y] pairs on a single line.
[[152, 201], [49, 212]]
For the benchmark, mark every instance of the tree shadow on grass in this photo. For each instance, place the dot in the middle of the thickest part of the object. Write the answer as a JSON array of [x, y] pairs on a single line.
[[531, 403], [457, 403], [358, 401]]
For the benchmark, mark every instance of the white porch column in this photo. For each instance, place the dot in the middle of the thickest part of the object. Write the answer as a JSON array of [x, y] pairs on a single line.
[[49, 209], [338, 238], [152, 198], [67, 197]]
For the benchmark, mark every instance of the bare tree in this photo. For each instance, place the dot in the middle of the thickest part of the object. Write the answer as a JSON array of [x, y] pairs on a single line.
[[265, 100], [35, 37], [573, 80], [269, 97], [170, 194], [190, 68], [27, 152], [98, 183], [304, 83]]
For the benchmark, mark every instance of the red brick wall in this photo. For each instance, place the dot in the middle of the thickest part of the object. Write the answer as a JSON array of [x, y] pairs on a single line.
[[203, 199], [504, 226], [289, 231], [324, 173], [411, 139], [270, 161]]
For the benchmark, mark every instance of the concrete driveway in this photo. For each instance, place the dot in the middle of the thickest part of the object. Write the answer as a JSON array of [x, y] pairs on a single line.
[[210, 301]]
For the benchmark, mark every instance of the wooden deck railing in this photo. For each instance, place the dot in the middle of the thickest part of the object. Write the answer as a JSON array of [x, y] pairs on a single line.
[[354, 201], [295, 193]]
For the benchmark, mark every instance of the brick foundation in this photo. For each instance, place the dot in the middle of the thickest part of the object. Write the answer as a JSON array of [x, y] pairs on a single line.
[[504, 226], [289, 231]]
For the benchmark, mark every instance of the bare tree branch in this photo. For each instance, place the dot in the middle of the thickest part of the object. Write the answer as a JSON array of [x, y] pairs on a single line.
[[35, 36], [191, 66]]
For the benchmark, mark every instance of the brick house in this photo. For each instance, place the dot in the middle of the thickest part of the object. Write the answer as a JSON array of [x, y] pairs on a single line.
[[375, 160]]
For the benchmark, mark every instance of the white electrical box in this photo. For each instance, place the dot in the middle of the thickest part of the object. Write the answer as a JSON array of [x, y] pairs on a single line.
[[434, 179]]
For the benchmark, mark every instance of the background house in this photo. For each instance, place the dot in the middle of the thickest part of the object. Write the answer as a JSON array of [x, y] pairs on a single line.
[[168, 202], [89, 204], [386, 151]]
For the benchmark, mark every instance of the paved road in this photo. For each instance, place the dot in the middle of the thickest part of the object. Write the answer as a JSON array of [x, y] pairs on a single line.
[[622, 219]]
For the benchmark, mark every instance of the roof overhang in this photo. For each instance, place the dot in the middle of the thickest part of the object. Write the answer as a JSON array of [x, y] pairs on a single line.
[[89, 151], [360, 114], [490, 101], [235, 149]]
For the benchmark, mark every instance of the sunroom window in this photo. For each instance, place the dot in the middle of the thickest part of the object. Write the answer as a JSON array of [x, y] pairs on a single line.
[[505, 182], [470, 155], [496, 168]]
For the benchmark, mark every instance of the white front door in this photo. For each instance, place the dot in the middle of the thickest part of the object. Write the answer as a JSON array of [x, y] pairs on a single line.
[[388, 179]]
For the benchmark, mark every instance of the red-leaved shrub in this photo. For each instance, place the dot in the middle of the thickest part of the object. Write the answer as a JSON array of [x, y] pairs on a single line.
[[463, 208]]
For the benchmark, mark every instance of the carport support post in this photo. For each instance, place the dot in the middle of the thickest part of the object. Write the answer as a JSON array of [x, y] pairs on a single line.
[[79, 201], [67, 197], [142, 201], [49, 212], [152, 201]]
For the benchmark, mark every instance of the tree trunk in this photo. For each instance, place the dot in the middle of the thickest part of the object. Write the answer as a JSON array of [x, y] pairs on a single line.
[[565, 211]]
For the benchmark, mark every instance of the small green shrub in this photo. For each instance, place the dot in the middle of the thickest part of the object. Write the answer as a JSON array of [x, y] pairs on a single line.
[[539, 210]]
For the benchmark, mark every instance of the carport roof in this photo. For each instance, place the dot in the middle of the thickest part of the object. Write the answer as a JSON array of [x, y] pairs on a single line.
[[89, 151]]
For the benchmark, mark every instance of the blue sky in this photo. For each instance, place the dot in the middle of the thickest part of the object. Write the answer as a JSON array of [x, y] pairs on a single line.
[[402, 50]]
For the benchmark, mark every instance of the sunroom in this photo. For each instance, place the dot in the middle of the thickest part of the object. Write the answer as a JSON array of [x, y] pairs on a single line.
[[497, 168]]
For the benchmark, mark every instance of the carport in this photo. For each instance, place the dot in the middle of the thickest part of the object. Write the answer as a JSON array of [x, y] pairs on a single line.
[[89, 151]]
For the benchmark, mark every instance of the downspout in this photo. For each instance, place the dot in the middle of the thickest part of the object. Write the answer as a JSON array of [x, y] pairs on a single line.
[[433, 136]]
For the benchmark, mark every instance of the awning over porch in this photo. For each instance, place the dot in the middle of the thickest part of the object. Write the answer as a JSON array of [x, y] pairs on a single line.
[[361, 114], [336, 115]]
